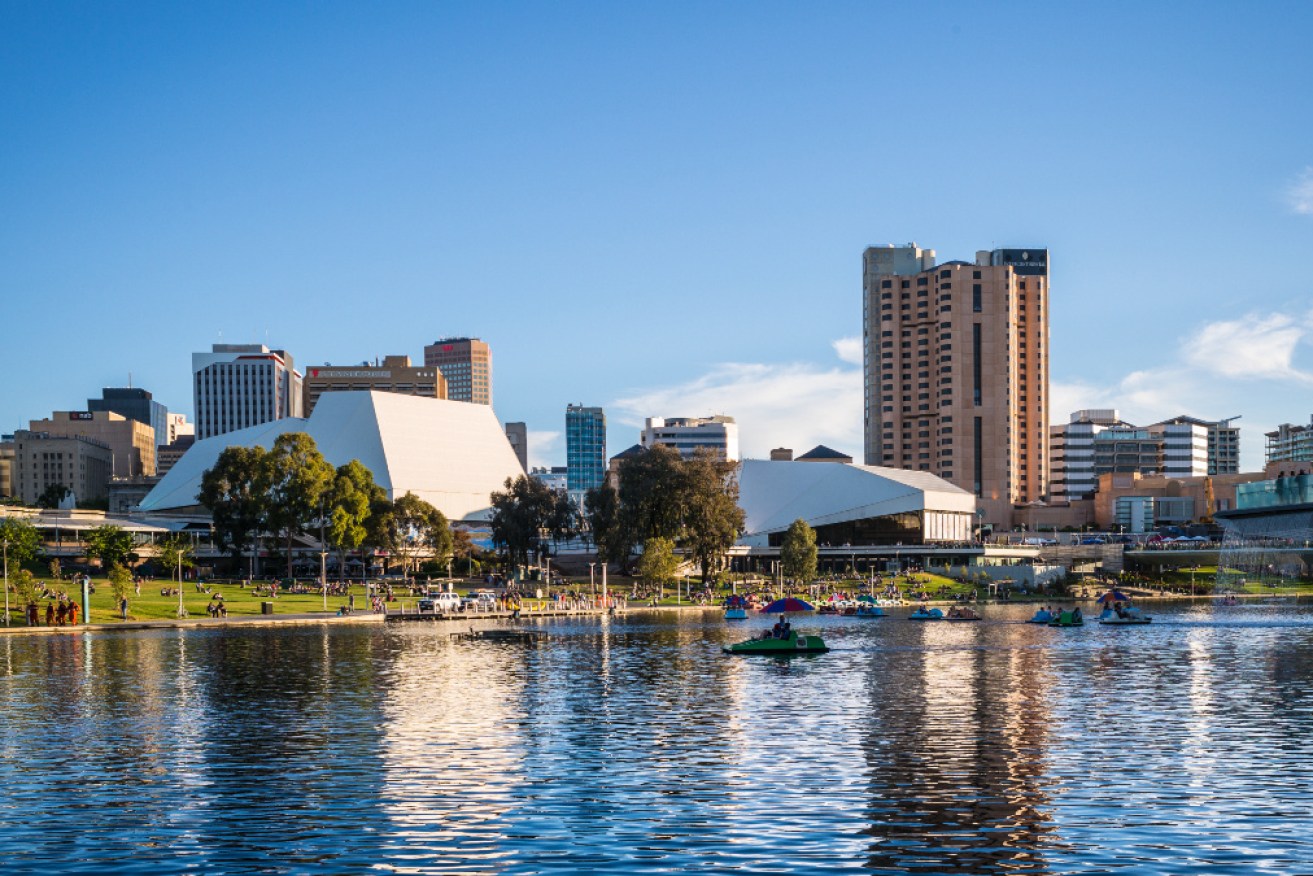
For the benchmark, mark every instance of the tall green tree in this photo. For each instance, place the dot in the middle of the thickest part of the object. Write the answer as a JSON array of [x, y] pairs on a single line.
[[602, 507], [19, 541], [299, 481], [236, 492], [658, 564], [418, 529], [110, 544], [351, 502], [798, 552], [120, 584], [713, 519], [26, 587], [521, 515], [653, 495]]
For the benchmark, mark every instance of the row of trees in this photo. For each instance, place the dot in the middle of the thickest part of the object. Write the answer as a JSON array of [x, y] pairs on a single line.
[[664, 501], [291, 489], [526, 514]]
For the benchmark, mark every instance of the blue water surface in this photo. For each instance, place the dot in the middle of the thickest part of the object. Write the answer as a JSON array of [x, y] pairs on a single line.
[[632, 745]]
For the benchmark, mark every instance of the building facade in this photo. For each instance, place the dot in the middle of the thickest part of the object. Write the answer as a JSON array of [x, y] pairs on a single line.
[[518, 435], [1098, 442], [7, 451], [396, 374], [176, 426], [690, 434], [131, 442], [236, 386], [555, 478], [79, 462], [466, 363], [585, 447], [956, 370], [135, 404], [1290, 443], [1223, 447]]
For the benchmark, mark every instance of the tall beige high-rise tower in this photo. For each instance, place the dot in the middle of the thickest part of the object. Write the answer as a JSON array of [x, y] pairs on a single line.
[[957, 370], [466, 365]]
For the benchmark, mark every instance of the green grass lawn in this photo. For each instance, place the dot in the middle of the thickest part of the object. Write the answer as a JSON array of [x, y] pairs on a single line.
[[150, 605]]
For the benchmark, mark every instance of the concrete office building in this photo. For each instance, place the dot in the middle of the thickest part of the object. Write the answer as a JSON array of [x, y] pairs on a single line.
[[1223, 447], [135, 404], [1290, 443], [518, 435], [690, 434], [167, 455], [7, 451], [555, 478], [176, 426], [956, 370], [131, 442], [237, 386], [466, 363], [585, 448], [1098, 442], [396, 374], [79, 462]]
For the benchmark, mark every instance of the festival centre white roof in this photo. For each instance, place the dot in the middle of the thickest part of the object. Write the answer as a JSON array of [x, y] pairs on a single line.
[[451, 454], [774, 493]]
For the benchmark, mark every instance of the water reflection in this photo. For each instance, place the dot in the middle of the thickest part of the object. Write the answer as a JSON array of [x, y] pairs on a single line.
[[633, 744]]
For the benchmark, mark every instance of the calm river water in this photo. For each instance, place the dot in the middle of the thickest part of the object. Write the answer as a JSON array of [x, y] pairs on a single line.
[[634, 745]]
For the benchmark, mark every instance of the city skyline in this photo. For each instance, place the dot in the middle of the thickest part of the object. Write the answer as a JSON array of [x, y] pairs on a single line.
[[663, 212]]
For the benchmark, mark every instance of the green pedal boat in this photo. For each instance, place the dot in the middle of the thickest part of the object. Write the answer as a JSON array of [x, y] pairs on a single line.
[[793, 643]]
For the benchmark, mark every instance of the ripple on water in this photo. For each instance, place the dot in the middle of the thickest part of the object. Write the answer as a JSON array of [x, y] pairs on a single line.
[[634, 745]]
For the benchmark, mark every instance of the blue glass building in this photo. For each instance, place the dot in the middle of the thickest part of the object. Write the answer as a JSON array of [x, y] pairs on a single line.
[[585, 447]]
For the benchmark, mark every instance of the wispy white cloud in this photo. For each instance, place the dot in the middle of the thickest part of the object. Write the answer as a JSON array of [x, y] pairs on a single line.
[[1246, 366], [1300, 193], [543, 448], [797, 405], [848, 350], [1252, 347]]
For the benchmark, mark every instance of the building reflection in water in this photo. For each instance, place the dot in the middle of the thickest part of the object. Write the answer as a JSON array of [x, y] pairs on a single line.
[[956, 752]]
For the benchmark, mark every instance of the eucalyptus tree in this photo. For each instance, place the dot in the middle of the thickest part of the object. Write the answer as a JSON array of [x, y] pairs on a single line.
[[110, 544], [521, 515], [236, 492], [798, 552], [350, 503], [20, 542], [299, 481], [417, 528]]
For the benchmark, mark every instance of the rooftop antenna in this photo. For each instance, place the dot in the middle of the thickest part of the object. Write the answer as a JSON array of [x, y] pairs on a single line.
[[129, 380]]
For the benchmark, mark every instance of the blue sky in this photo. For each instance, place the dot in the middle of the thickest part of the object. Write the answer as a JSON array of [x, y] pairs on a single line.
[[659, 208]]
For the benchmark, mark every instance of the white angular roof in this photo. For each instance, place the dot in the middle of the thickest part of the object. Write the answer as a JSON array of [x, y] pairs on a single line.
[[451, 454], [774, 493]]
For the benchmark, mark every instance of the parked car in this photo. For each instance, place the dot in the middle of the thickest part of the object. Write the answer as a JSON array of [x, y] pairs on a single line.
[[481, 600], [441, 603]]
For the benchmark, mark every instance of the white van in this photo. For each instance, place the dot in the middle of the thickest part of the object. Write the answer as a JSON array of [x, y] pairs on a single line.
[[440, 603]]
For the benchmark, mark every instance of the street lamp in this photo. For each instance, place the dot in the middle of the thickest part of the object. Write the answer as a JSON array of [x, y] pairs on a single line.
[[591, 591]]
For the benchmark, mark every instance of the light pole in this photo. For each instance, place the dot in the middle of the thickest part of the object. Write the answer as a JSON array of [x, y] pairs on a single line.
[[6, 547], [591, 590], [182, 611], [323, 558]]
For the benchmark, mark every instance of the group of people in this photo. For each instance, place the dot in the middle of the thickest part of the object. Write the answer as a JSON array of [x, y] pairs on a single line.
[[58, 613]]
